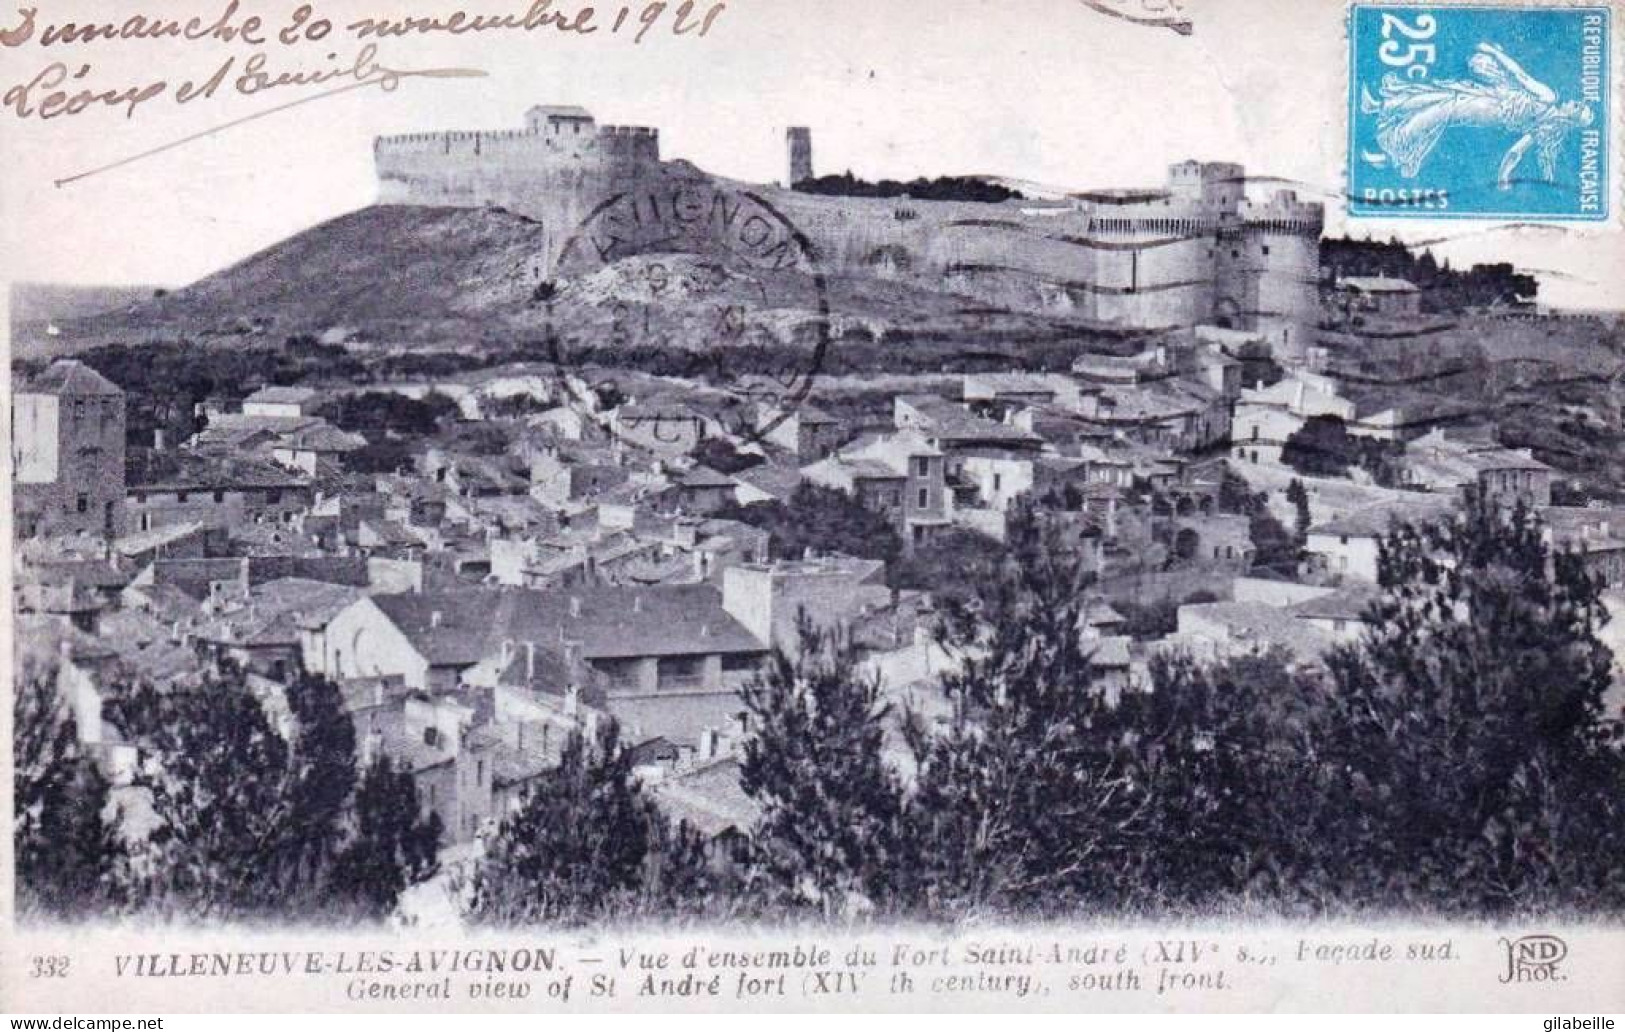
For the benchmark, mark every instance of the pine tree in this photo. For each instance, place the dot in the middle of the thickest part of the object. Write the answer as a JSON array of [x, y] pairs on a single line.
[[220, 789], [829, 834], [323, 778], [1299, 497], [1021, 801], [576, 851], [1467, 732], [689, 878], [70, 860], [394, 845], [1215, 745]]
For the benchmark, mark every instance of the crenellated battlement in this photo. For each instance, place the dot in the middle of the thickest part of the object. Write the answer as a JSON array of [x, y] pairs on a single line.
[[1156, 225], [1284, 213], [614, 141]]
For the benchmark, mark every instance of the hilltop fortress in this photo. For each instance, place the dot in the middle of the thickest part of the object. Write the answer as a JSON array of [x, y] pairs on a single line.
[[1194, 250]]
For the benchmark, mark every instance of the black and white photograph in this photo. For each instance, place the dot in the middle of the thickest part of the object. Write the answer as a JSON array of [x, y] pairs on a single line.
[[749, 505]]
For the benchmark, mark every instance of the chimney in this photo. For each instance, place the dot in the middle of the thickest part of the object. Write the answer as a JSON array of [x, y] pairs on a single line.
[[1297, 396], [530, 661], [158, 439], [507, 652], [687, 533], [378, 693], [435, 618], [575, 607], [705, 630], [637, 603]]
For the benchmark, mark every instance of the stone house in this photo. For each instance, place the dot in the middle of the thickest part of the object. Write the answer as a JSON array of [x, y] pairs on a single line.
[[172, 488], [68, 453]]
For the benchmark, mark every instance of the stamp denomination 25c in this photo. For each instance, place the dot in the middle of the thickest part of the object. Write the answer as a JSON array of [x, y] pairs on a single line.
[[1479, 112]]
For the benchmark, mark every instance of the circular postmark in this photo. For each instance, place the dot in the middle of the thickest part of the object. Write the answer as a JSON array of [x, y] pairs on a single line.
[[694, 281]]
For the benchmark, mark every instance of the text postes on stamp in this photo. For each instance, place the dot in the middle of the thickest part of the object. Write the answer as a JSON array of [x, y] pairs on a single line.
[[1479, 112], [717, 279]]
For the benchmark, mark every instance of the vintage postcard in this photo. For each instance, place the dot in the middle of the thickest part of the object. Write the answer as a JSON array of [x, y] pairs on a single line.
[[750, 505]]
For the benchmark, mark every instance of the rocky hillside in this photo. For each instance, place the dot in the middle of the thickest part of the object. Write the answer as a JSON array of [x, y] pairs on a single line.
[[385, 272], [464, 279]]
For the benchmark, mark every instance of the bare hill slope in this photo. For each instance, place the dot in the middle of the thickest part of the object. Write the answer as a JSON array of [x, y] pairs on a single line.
[[470, 278]]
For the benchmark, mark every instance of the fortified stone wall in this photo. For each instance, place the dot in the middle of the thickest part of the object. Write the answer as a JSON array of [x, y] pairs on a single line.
[[1155, 258], [1193, 251], [554, 178]]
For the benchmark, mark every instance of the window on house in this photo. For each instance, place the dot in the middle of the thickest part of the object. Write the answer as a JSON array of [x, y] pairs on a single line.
[[623, 674], [682, 671], [273, 497], [83, 503], [997, 482], [925, 498], [1265, 249], [479, 773], [431, 736], [922, 466], [181, 496], [1343, 540]]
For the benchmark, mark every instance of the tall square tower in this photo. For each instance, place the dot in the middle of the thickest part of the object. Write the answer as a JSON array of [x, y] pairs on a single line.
[[67, 442]]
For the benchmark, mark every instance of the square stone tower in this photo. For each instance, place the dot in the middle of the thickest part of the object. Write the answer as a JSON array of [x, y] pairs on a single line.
[[67, 441], [799, 140]]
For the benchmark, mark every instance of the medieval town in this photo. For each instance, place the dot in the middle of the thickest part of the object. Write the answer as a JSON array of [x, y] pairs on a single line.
[[1008, 549]]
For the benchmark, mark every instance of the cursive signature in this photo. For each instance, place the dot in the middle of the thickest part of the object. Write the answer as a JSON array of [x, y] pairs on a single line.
[[257, 77]]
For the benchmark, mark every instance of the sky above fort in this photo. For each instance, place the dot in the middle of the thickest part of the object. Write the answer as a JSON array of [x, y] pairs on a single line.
[[1050, 91]]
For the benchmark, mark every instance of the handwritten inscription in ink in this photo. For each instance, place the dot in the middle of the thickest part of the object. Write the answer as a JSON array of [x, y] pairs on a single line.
[[329, 51]]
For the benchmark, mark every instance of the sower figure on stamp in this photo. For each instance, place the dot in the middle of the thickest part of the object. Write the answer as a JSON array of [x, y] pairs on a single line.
[[1502, 95]]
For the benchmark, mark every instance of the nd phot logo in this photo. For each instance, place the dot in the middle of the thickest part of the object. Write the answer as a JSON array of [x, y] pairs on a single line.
[[1534, 958]]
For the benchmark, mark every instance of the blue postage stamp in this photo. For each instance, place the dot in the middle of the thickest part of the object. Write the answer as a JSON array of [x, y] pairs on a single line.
[[1479, 112]]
